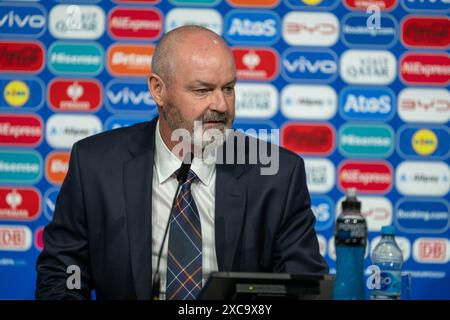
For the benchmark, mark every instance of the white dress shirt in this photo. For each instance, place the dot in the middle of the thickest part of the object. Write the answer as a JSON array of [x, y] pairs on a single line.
[[163, 191]]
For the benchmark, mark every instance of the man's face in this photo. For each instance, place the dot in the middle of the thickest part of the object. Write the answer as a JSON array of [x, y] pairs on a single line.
[[201, 89]]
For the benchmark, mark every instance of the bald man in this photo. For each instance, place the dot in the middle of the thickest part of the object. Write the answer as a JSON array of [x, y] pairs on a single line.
[[117, 228]]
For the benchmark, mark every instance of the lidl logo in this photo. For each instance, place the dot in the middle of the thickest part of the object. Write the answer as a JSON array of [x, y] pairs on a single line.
[[309, 66], [264, 130], [19, 203], [323, 209], [49, 202], [320, 175], [208, 18], [422, 216], [365, 176], [425, 68], [16, 94], [24, 57], [419, 142], [367, 103], [312, 4], [84, 22], [431, 250], [129, 96], [252, 27], [15, 238], [74, 94], [133, 23], [20, 20], [56, 167], [130, 60], [426, 32], [356, 33], [20, 130], [423, 178], [308, 102], [256, 63], [363, 5], [364, 140], [426, 5], [254, 3], [20, 167], [256, 100], [75, 58], [424, 105], [308, 138], [116, 122]]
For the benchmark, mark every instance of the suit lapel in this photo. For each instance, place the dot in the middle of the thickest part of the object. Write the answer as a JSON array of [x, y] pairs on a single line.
[[138, 177]]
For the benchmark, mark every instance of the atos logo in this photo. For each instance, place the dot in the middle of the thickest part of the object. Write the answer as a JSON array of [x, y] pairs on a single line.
[[310, 29], [129, 96], [130, 60], [377, 211], [50, 202], [374, 67], [426, 5], [74, 95], [252, 27], [116, 122], [308, 102], [256, 63], [208, 18], [431, 250], [256, 100], [422, 216], [21, 94], [308, 138], [423, 178], [56, 167], [19, 20], [420, 142], [363, 140], [367, 103], [23, 57], [20, 130], [365, 176], [426, 32], [424, 105], [425, 68], [309, 66], [19, 204], [312, 4], [17, 167], [363, 5], [15, 238], [356, 33], [323, 209], [320, 175], [132, 23], [263, 130]]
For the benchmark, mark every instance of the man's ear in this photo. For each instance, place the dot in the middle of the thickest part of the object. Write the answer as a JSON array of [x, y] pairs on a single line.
[[157, 88]]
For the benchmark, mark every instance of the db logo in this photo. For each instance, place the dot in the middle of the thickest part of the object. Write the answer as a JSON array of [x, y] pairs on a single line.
[[431, 250], [15, 238], [129, 23], [425, 68], [38, 241], [130, 60], [365, 176], [56, 167], [256, 64], [363, 5], [74, 95], [426, 32], [308, 139], [20, 130], [19, 204], [27, 57]]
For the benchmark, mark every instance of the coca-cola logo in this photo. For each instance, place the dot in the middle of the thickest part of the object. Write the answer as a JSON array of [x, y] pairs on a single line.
[[308, 139], [425, 32], [21, 56]]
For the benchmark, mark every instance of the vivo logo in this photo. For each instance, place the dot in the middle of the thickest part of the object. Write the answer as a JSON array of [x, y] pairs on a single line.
[[426, 5], [20, 20], [129, 96], [115, 122]]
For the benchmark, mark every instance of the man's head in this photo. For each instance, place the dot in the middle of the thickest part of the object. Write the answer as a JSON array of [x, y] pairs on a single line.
[[193, 78]]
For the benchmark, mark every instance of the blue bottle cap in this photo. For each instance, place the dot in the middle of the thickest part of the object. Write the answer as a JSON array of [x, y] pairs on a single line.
[[388, 230]]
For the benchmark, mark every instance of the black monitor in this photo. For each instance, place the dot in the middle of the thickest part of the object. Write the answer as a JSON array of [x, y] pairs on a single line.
[[258, 286]]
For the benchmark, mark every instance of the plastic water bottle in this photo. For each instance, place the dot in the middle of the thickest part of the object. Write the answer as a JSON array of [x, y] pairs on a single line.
[[350, 241], [389, 258]]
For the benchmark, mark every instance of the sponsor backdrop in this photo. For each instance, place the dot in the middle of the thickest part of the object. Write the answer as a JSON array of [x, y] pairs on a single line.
[[362, 96]]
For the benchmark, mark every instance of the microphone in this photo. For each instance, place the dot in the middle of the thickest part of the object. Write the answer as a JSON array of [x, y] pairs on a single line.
[[182, 174]]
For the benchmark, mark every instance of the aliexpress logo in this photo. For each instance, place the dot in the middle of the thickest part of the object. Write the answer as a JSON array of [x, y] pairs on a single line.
[[130, 60], [26, 57], [426, 32], [56, 166], [308, 138], [425, 68], [256, 63], [20, 130], [130, 23]]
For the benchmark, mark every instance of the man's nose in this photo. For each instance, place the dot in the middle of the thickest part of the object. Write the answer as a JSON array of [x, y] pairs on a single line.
[[219, 102]]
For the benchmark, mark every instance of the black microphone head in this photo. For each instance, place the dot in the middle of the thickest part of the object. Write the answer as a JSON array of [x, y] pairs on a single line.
[[184, 169]]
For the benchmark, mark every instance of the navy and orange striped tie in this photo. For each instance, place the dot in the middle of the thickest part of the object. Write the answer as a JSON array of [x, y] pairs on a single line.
[[184, 257]]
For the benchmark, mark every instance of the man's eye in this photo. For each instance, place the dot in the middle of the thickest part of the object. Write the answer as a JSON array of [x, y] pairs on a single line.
[[229, 89], [201, 91]]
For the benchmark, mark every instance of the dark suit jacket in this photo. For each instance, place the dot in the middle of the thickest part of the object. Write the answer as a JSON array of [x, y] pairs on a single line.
[[102, 220]]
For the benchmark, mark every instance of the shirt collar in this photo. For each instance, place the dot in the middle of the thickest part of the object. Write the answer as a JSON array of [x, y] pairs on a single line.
[[167, 163]]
